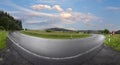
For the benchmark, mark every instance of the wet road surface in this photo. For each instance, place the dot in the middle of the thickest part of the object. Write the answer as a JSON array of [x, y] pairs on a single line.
[[106, 56], [55, 48]]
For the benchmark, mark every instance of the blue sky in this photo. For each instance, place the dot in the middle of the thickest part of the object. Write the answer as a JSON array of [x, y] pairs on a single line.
[[70, 14]]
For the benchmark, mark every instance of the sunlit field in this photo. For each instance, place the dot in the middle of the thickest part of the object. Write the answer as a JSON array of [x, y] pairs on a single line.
[[114, 41], [3, 35], [55, 34]]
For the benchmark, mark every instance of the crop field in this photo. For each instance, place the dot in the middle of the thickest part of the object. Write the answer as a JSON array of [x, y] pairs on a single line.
[[55, 34], [3, 35], [113, 41]]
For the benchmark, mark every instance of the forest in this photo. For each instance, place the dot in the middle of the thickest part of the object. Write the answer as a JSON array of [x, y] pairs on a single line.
[[8, 22]]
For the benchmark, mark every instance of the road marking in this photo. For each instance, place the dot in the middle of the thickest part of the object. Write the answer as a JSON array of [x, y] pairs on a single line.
[[53, 57]]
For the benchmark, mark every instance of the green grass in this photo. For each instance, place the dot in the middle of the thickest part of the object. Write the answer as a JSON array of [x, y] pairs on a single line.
[[55, 34], [3, 35], [114, 41]]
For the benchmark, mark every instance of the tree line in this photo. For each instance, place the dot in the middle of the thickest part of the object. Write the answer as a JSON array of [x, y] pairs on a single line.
[[8, 22]]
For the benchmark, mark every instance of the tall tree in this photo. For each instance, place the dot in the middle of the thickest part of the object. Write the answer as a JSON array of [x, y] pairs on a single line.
[[106, 31], [8, 22]]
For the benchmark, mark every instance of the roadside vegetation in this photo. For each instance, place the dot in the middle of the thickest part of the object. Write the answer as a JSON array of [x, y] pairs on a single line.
[[113, 41], [3, 35], [7, 23], [55, 34]]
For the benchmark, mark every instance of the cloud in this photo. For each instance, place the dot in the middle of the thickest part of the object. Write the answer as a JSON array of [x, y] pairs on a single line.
[[62, 17], [113, 8], [69, 10], [78, 17], [71, 28], [41, 6], [68, 16], [58, 8], [65, 15], [25, 10]]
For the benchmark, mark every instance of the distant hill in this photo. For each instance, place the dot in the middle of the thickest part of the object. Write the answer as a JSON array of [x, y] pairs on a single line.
[[84, 31], [92, 31], [117, 32], [58, 29]]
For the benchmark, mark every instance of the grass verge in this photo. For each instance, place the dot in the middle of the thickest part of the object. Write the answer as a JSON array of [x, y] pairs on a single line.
[[56, 35], [3, 35], [114, 41]]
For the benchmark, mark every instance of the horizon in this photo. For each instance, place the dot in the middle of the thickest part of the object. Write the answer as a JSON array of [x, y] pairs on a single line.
[[68, 14], [74, 30]]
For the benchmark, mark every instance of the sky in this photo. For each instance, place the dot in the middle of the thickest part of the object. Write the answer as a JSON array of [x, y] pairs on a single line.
[[69, 14]]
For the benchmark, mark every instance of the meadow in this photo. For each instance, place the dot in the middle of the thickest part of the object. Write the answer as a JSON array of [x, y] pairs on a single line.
[[3, 35], [113, 41], [56, 34]]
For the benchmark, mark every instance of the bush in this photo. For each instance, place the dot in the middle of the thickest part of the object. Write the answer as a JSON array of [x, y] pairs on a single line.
[[106, 31], [2, 28], [48, 30], [25, 29]]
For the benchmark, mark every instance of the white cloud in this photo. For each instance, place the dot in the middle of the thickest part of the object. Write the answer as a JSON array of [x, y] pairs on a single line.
[[67, 16], [39, 7], [71, 28], [69, 10], [58, 8], [113, 8], [78, 17]]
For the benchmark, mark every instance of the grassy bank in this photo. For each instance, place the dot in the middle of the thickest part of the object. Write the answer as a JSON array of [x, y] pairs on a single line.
[[114, 41], [3, 35], [55, 34]]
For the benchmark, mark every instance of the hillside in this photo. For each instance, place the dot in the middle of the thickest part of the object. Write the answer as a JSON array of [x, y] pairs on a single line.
[[58, 29], [117, 32]]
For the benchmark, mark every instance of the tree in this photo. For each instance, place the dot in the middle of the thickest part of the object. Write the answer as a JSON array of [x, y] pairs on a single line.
[[48, 30], [8, 22], [2, 28], [106, 31]]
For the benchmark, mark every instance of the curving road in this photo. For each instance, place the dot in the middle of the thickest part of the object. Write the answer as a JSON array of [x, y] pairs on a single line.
[[56, 48]]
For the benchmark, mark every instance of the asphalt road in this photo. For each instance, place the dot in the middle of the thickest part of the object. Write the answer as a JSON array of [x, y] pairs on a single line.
[[106, 56], [54, 48], [15, 54]]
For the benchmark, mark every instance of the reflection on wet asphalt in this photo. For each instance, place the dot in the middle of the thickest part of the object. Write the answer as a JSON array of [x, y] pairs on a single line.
[[55, 47]]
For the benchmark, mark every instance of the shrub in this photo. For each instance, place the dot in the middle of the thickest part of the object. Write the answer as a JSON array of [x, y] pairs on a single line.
[[2, 28], [48, 30], [106, 31]]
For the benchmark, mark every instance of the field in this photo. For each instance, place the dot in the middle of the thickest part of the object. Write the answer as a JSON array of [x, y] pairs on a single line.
[[56, 34], [3, 35], [114, 41]]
